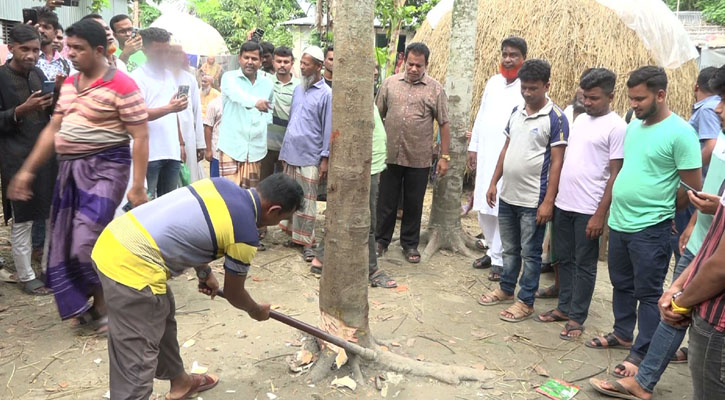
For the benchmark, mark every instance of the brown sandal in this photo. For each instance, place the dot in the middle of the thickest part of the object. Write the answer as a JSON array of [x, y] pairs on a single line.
[[520, 312], [496, 297]]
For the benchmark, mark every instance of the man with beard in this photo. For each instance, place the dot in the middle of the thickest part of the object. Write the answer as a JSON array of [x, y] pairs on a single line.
[[208, 93], [284, 87], [660, 150], [247, 102], [24, 111], [306, 146], [267, 59], [501, 95], [99, 109], [593, 160]]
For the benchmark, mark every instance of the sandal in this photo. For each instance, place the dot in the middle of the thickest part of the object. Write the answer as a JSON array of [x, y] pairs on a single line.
[[201, 383], [519, 311], [611, 343], [35, 287], [308, 253], [411, 255], [316, 270], [480, 244], [617, 390], [380, 279], [568, 327], [680, 360], [498, 296], [7, 276], [549, 293], [261, 247], [494, 277], [630, 359], [552, 317], [482, 263]]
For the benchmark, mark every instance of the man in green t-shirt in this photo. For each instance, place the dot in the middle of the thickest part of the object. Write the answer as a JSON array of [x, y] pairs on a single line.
[[129, 42], [660, 150]]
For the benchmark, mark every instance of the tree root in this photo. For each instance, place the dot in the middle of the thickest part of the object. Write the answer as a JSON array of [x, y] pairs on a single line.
[[324, 364], [445, 373], [440, 239]]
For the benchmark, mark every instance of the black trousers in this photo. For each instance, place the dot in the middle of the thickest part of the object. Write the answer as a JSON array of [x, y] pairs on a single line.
[[410, 184]]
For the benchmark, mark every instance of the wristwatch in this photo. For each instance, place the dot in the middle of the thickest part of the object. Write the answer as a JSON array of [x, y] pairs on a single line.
[[446, 157], [203, 275]]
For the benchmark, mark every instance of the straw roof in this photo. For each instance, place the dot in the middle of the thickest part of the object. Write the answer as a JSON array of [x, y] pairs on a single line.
[[571, 34]]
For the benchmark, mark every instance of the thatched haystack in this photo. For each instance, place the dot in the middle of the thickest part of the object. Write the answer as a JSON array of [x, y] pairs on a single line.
[[571, 34]]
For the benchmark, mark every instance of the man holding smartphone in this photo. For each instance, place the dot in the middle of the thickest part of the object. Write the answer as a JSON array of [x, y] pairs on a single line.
[[24, 111], [129, 42]]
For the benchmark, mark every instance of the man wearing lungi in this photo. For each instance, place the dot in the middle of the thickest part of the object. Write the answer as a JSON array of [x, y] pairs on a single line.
[[306, 146], [139, 251], [98, 111]]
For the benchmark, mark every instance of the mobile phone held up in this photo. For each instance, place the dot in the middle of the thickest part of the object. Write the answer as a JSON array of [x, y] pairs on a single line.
[[30, 14], [48, 87], [183, 91], [134, 33], [258, 35], [688, 187]]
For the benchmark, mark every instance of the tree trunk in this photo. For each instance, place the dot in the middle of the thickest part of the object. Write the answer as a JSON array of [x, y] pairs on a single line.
[[444, 227], [396, 24], [344, 283]]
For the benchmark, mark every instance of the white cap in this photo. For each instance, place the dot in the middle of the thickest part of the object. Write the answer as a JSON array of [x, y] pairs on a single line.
[[315, 52]]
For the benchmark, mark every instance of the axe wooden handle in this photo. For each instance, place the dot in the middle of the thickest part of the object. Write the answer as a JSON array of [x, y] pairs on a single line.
[[353, 348]]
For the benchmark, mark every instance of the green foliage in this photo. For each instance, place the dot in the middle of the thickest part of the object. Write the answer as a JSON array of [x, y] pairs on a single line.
[[97, 6], [712, 10], [234, 18], [147, 14]]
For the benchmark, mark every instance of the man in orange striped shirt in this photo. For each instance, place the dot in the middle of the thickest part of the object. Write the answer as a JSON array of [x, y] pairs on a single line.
[[98, 112]]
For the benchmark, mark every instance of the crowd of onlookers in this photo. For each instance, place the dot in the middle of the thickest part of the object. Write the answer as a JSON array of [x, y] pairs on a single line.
[[125, 117]]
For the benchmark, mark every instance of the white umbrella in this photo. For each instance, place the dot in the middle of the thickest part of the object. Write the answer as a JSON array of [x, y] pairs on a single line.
[[193, 34]]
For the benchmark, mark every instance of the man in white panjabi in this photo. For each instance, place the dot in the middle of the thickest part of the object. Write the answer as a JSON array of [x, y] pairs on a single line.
[[501, 95]]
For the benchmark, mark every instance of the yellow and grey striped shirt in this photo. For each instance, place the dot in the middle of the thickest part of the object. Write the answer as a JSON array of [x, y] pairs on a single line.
[[188, 227]]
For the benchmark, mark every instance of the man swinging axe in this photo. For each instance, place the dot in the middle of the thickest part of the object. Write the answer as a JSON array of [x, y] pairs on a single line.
[[138, 252]]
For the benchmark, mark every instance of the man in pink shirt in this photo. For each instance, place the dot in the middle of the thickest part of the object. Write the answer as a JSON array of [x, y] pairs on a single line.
[[592, 162]]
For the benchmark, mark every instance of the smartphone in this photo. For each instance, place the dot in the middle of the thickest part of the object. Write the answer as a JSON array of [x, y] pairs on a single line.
[[688, 187], [134, 33], [30, 14], [48, 87], [258, 35], [183, 91], [67, 2]]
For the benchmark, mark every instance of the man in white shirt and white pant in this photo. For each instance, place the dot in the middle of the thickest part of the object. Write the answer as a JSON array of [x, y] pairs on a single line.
[[501, 95]]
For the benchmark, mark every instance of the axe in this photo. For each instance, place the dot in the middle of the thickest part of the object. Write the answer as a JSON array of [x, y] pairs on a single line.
[[365, 353]]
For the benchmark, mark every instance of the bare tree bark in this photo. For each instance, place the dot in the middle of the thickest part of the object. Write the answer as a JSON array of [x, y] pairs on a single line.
[[444, 227]]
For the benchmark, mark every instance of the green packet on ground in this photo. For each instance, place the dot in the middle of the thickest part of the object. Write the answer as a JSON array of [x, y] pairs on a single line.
[[558, 390]]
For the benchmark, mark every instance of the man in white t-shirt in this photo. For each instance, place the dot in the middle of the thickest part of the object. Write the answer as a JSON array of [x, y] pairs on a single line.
[[158, 86], [501, 95], [593, 160]]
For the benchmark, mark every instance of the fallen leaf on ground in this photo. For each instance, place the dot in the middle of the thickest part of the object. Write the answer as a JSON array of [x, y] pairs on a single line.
[[345, 381], [395, 344], [384, 348], [341, 359], [540, 370], [304, 357], [188, 343], [63, 385], [256, 279], [401, 288]]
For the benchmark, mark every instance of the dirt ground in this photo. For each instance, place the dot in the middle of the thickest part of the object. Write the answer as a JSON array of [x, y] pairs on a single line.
[[435, 319]]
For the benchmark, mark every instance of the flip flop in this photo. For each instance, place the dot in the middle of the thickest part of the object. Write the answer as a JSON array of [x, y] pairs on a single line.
[[494, 277], [553, 315], [35, 287], [411, 255], [568, 328], [611, 340], [202, 382], [308, 253], [7, 276], [676, 360], [619, 391]]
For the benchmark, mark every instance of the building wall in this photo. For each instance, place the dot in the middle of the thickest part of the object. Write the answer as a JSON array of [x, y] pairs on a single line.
[[11, 11]]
